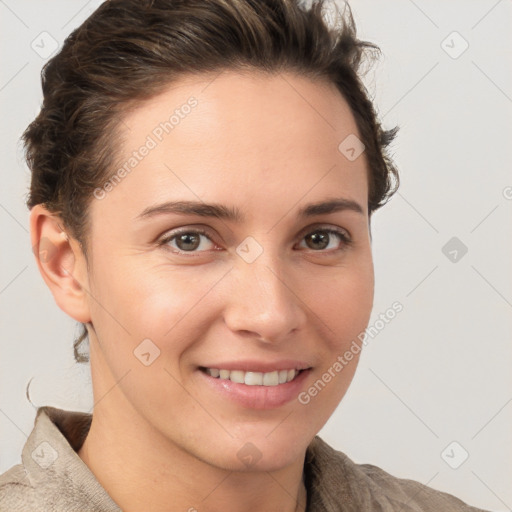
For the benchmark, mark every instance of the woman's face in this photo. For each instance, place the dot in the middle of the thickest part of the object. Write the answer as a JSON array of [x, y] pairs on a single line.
[[281, 285]]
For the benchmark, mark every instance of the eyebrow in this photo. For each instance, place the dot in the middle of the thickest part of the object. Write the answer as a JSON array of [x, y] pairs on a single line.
[[235, 215]]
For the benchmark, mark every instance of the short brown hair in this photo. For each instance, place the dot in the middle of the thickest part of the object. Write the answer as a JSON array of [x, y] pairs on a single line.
[[130, 50]]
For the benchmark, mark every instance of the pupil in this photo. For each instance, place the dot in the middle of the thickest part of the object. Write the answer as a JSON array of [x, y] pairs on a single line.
[[188, 238], [315, 237]]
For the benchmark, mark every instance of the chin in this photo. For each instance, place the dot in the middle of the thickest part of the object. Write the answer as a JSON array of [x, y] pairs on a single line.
[[269, 451]]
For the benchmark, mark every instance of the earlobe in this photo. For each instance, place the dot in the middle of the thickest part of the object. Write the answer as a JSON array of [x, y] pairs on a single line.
[[61, 263]]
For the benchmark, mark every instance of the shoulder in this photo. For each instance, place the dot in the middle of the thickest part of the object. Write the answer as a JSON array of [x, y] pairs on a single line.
[[336, 478], [51, 476], [18, 488], [18, 492], [12, 481]]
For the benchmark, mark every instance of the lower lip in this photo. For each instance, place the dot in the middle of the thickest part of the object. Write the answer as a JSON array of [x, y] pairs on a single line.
[[257, 397]]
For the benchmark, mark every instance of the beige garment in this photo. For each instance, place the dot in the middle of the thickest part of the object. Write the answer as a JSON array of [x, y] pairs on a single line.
[[53, 478]]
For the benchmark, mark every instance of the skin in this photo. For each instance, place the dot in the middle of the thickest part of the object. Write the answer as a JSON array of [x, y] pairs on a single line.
[[268, 145]]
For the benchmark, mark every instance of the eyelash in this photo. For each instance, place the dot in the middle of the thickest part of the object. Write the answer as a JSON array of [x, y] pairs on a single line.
[[345, 239]]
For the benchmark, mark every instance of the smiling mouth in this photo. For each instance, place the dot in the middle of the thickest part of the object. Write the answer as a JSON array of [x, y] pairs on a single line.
[[274, 378]]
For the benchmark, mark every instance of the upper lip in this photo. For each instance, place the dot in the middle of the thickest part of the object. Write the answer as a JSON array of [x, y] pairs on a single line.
[[259, 366]]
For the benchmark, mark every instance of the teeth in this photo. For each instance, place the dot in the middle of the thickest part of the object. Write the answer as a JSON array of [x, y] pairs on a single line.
[[237, 376], [254, 378], [271, 378]]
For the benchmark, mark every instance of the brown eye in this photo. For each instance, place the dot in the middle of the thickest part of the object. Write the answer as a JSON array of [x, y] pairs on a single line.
[[187, 241], [321, 239], [317, 240]]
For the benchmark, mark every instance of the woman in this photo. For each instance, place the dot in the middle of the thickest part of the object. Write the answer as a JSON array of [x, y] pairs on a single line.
[[203, 180]]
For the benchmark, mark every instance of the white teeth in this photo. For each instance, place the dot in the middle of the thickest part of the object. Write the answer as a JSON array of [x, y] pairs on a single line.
[[271, 379], [237, 376], [254, 378], [283, 376]]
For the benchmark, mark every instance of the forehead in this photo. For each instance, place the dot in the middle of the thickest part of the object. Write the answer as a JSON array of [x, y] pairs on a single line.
[[236, 105], [238, 136]]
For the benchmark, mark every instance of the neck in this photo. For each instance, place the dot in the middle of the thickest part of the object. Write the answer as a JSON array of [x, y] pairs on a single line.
[[141, 471]]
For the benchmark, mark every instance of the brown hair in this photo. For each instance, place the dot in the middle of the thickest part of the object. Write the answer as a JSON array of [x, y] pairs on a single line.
[[130, 50]]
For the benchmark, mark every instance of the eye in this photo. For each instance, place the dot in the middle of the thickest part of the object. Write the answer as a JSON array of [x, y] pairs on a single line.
[[198, 240], [187, 241], [327, 238]]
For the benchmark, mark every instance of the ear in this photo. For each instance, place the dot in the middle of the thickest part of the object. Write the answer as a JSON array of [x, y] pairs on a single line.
[[61, 263]]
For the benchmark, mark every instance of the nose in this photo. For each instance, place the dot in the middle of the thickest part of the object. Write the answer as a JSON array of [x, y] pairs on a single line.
[[263, 302]]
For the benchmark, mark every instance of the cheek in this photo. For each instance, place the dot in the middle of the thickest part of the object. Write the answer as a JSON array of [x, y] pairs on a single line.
[[344, 302], [166, 305], [344, 305]]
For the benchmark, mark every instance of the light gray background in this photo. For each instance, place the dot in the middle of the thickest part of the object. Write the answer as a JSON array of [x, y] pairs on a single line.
[[440, 371]]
